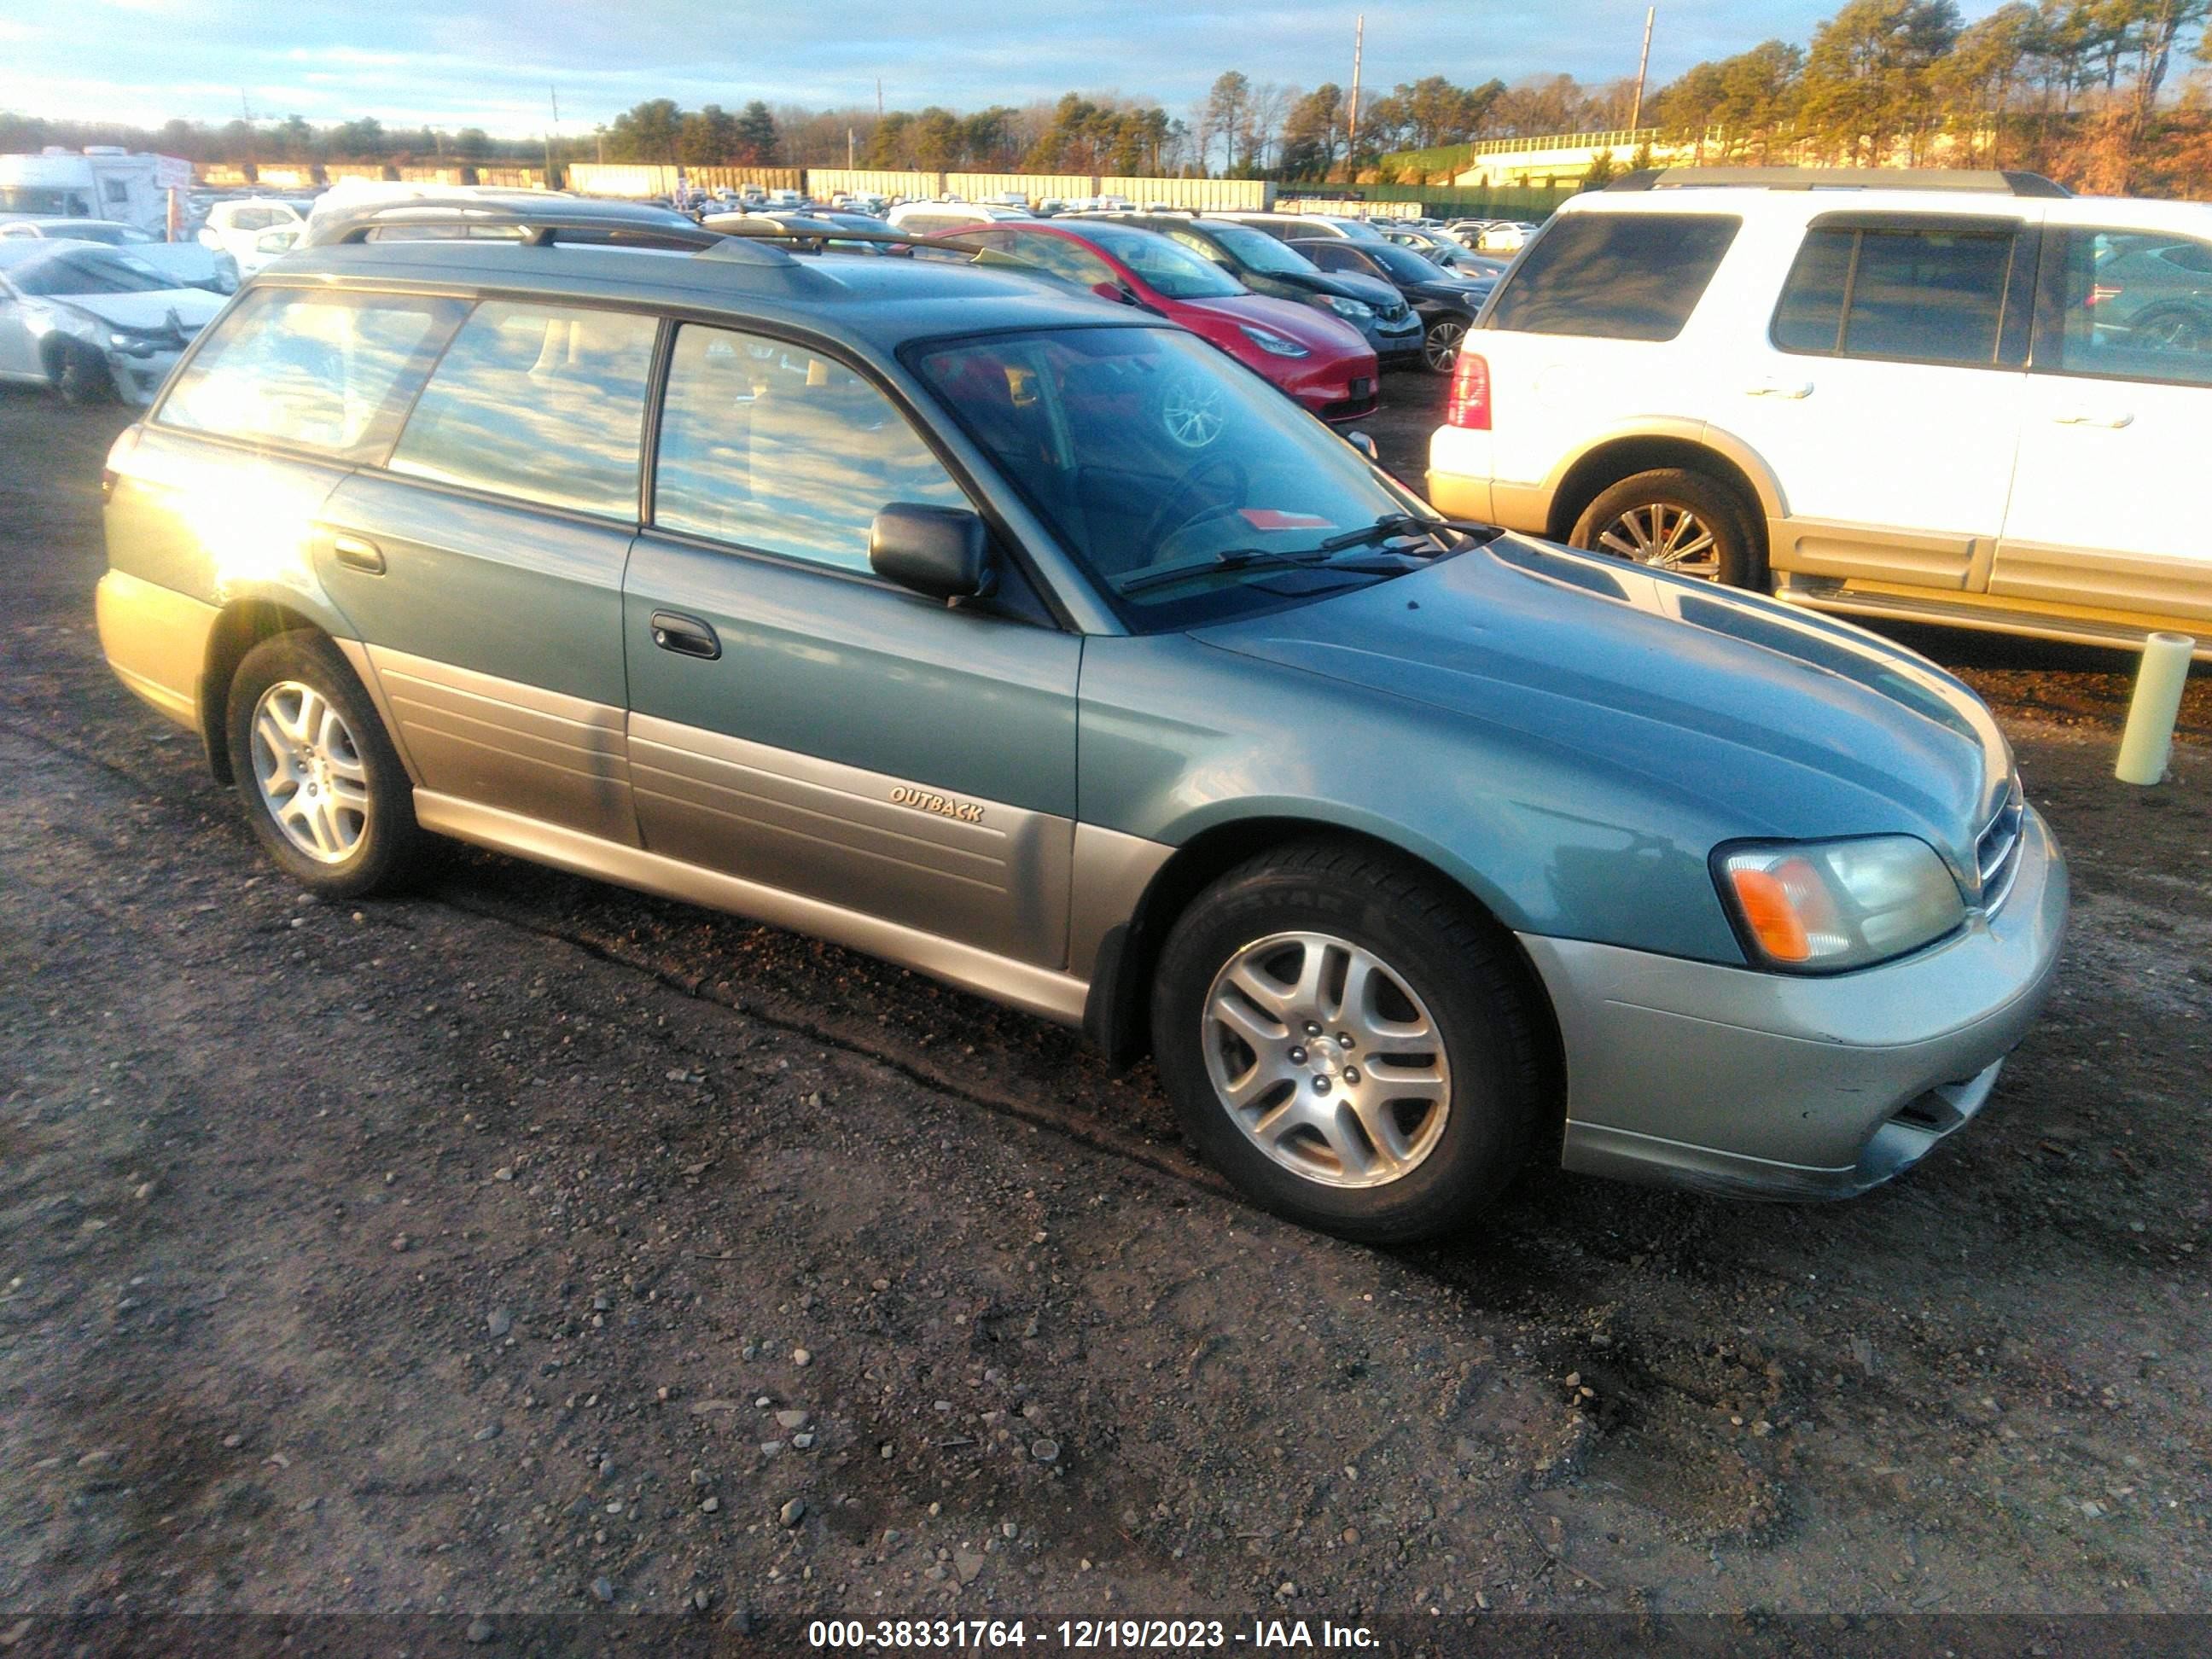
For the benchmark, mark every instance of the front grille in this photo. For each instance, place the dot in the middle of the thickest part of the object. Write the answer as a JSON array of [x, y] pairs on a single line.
[[1392, 312], [1997, 849]]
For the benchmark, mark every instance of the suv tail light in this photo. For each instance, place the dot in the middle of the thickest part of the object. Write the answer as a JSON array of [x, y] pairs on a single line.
[[1469, 403]]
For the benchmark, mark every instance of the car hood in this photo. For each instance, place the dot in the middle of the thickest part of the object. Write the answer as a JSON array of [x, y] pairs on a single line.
[[1771, 721], [1369, 290], [1314, 330], [193, 307]]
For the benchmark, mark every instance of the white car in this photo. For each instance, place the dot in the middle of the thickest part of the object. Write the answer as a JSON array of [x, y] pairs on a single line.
[[190, 264], [93, 321], [927, 218], [1967, 398], [236, 223]]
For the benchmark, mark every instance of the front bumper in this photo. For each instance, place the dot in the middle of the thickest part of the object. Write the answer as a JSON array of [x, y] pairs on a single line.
[[1788, 1086], [137, 379]]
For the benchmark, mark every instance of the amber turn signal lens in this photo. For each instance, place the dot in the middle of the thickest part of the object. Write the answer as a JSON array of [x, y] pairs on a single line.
[[1772, 918]]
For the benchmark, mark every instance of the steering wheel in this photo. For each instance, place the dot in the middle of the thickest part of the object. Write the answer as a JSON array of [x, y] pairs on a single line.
[[1164, 525]]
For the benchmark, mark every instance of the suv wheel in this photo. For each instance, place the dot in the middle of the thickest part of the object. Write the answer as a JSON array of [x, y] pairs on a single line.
[[1440, 345], [1672, 518], [322, 786], [1342, 1038]]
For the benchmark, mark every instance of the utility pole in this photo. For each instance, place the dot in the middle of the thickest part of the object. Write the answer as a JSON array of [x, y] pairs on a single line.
[[1643, 67], [555, 95], [879, 98], [848, 149], [1351, 126]]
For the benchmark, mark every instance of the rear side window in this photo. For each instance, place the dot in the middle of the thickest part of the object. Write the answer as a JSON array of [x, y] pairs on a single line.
[[1614, 276], [1923, 295], [545, 403], [321, 370], [772, 447]]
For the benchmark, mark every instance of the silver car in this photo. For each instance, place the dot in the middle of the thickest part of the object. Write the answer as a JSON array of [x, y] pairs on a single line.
[[93, 322]]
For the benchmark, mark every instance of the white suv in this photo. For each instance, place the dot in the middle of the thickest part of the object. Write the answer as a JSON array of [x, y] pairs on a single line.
[[1968, 398]]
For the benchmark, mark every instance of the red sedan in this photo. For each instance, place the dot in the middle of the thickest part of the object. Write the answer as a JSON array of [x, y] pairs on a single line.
[[1322, 363]]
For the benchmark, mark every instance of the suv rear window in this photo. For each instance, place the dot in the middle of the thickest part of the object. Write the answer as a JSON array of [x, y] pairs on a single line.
[[1614, 276], [322, 370]]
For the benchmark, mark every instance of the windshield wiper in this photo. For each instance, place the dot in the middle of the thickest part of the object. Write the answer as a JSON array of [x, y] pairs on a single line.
[[1259, 558], [1406, 524]]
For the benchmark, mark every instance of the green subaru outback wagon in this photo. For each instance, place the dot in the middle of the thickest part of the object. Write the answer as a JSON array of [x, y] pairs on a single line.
[[1019, 637]]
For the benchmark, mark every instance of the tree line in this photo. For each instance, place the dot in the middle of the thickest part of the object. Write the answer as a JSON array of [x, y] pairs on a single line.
[[2072, 88], [2077, 88]]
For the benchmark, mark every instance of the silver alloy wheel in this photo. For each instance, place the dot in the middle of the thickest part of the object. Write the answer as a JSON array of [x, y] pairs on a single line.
[[1666, 535], [1440, 345], [310, 772], [1191, 411], [1327, 1060]]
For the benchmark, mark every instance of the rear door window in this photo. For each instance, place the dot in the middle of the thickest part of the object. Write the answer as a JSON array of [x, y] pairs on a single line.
[[1924, 294], [1614, 276], [542, 403], [331, 371]]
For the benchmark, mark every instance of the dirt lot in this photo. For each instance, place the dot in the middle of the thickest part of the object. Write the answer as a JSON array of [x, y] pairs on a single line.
[[528, 1247]]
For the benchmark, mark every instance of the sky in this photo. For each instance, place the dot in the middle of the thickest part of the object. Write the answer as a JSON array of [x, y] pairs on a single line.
[[491, 63]]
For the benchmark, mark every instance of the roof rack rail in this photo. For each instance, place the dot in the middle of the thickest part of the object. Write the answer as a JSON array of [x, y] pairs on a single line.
[[612, 224], [1988, 180]]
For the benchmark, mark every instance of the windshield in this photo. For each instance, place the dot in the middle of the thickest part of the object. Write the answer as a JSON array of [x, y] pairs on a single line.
[[1188, 486], [1403, 263], [32, 198], [82, 270], [1169, 270], [1261, 250], [98, 231]]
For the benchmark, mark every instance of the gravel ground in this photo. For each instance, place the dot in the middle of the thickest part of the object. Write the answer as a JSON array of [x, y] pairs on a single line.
[[528, 1247]]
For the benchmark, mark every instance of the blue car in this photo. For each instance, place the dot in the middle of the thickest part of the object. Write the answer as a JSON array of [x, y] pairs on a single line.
[[1020, 637]]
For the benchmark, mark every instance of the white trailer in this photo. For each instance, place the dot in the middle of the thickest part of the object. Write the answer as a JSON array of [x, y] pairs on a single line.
[[97, 183]]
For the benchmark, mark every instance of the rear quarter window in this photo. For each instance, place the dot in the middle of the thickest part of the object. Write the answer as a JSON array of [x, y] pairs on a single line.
[[313, 369], [1614, 276]]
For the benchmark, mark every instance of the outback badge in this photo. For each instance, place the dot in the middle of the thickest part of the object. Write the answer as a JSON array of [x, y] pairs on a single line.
[[925, 801]]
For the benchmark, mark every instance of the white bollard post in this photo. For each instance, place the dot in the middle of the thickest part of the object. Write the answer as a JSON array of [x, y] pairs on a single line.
[[2147, 741]]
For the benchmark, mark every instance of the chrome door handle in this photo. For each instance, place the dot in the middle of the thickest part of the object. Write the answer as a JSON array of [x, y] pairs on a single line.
[[1774, 388], [2083, 417], [358, 553]]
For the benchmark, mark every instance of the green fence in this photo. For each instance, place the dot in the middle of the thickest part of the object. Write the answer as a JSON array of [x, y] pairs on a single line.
[[1501, 202]]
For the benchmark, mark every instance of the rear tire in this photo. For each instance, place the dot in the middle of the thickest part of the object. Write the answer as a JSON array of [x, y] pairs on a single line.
[[1677, 519], [322, 787], [1274, 989]]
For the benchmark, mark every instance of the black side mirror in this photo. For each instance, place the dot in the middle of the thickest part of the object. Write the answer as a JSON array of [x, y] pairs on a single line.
[[943, 552], [1364, 445]]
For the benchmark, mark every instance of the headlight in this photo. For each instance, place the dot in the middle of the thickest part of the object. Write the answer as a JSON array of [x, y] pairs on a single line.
[[1274, 344], [1358, 311], [133, 345], [1821, 906]]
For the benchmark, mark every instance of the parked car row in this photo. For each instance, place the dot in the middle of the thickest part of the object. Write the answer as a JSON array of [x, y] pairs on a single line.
[[1000, 627]]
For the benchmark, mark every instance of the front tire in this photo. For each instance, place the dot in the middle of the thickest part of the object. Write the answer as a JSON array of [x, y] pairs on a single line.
[[1342, 1036], [1675, 520], [1440, 344], [84, 378], [321, 785]]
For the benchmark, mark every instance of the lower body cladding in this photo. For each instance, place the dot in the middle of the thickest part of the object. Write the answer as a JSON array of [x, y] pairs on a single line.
[[1788, 1086]]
